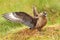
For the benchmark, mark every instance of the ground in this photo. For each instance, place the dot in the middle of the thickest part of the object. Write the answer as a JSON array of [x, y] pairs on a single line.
[[48, 33]]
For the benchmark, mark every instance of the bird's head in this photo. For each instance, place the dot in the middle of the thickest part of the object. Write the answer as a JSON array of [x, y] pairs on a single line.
[[43, 14]]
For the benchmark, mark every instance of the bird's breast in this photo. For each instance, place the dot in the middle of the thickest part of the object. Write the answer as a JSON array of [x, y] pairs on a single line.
[[41, 22]]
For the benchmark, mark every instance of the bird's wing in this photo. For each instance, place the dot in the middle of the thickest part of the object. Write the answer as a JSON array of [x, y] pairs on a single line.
[[35, 12], [21, 17]]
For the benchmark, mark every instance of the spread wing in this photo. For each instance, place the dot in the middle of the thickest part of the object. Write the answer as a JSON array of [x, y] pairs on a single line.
[[21, 17], [35, 11]]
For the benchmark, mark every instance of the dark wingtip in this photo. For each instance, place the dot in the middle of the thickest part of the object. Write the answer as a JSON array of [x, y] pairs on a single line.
[[3, 15]]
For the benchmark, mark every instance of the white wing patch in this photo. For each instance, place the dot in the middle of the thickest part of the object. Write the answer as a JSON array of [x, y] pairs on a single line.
[[12, 16]]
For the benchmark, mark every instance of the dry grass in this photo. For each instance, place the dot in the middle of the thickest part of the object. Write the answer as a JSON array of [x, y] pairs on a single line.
[[48, 33]]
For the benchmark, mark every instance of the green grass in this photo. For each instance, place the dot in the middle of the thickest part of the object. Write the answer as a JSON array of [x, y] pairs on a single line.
[[51, 6], [6, 26]]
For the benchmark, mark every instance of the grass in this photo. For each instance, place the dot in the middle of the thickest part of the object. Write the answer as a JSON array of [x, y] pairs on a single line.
[[51, 6], [48, 33]]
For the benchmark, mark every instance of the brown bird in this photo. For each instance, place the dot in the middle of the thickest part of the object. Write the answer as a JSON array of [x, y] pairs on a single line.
[[42, 20], [37, 22]]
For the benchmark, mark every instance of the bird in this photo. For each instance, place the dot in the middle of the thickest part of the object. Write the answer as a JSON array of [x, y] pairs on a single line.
[[42, 21], [38, 21]]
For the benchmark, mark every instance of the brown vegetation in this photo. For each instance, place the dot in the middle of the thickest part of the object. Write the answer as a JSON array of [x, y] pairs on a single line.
[[27, 34]]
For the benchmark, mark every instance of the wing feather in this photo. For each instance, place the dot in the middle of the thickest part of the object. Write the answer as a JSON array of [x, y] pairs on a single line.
[[21, 17]]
